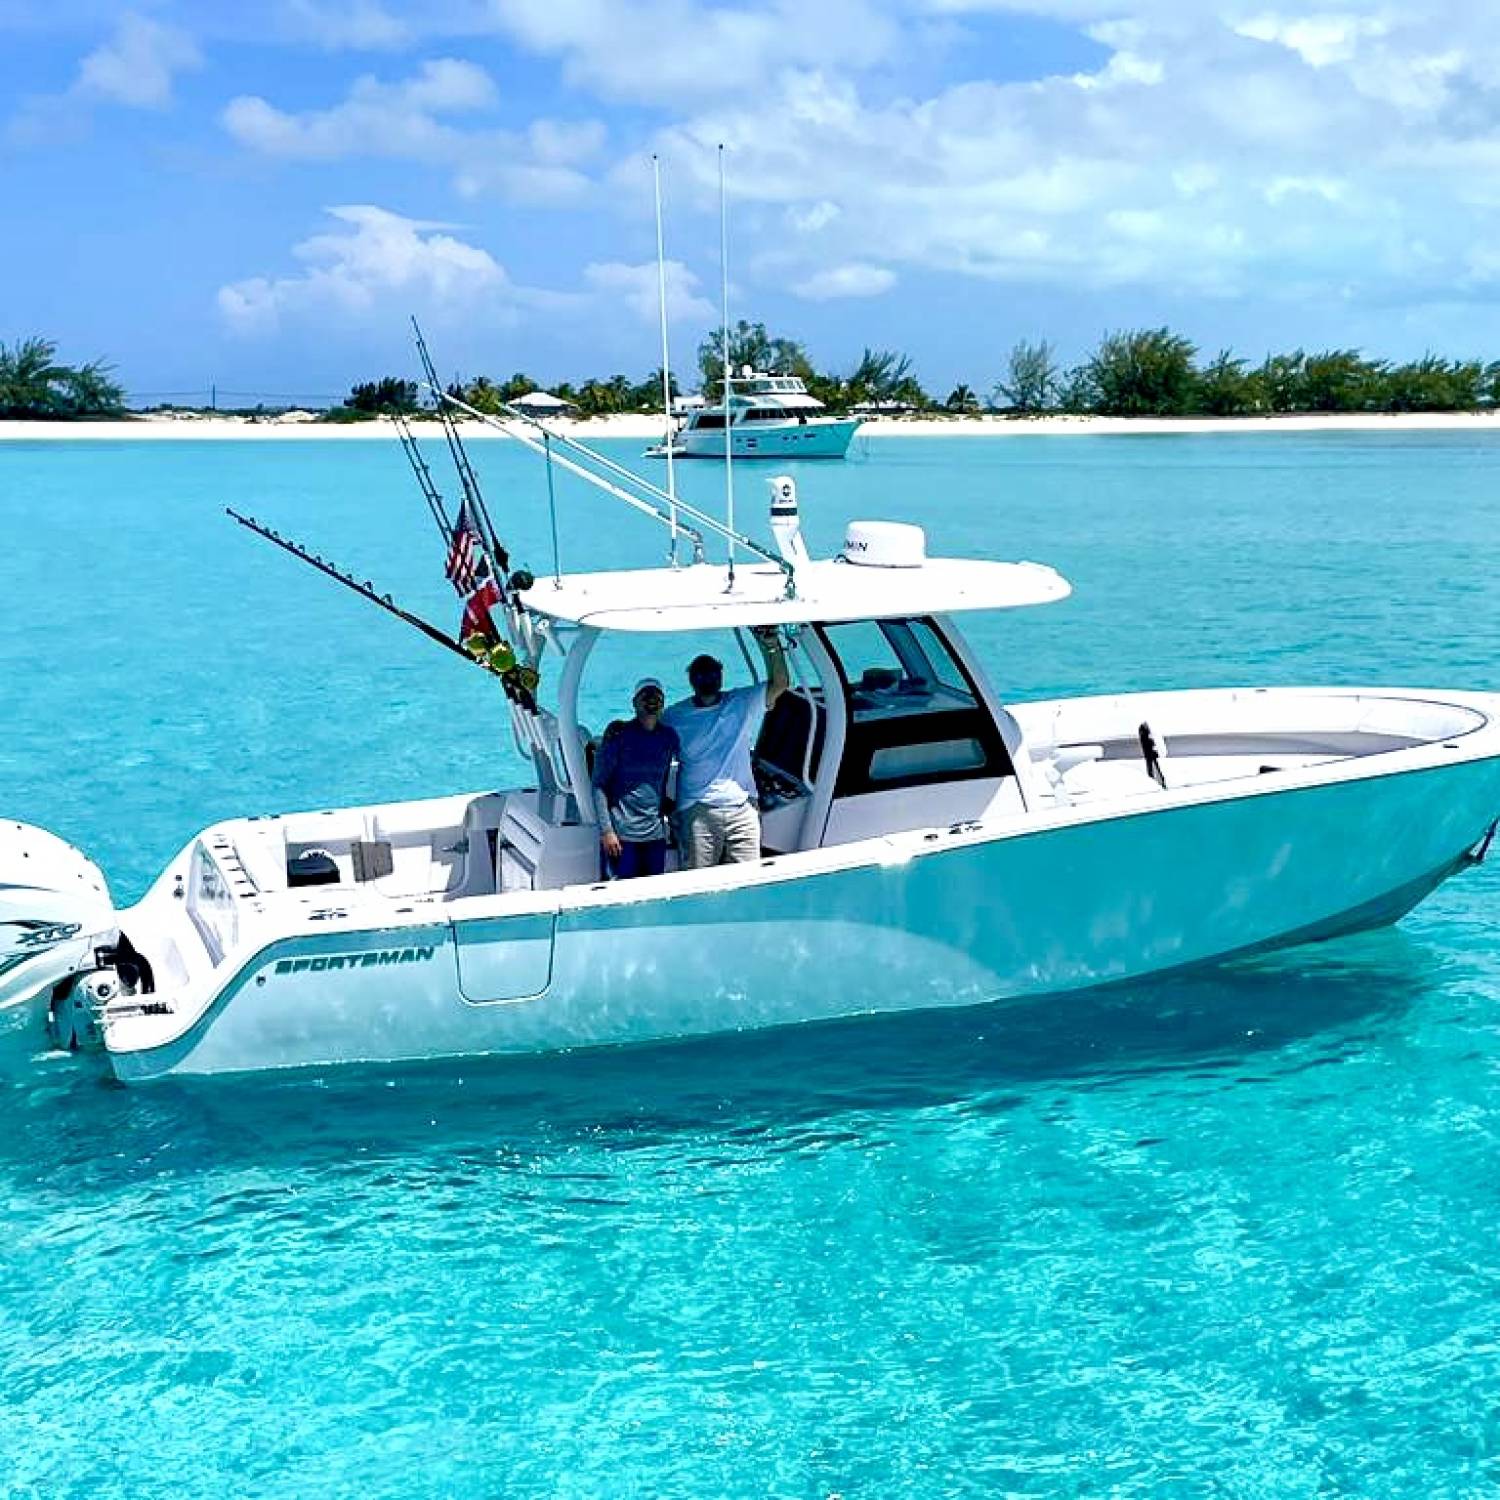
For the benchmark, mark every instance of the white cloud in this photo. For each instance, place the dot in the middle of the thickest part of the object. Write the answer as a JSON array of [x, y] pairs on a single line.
[[135, 68], [1329, 189], [637, 287], [562, 142], [411, 119], [377, 259], [377, 265], [1196, 177], [361, 25], [1320, 41], [853, 280], [137, 65], [521, 181], [376, 119], [1222, 149], [545, 164], [1234, 148], [814, 217], [661, 50]]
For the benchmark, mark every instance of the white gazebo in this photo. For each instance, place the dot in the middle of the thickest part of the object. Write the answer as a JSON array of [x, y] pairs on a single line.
[[542, 404]]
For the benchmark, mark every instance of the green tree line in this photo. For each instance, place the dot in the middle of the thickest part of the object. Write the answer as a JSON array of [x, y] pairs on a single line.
[[1150, 372], [880, 375], [34, 385], [1154, 372]]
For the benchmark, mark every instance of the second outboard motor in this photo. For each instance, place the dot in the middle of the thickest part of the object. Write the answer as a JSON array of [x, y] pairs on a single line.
[[55, 911]]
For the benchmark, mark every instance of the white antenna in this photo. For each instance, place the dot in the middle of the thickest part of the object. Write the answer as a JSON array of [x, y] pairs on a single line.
[[666, 377], [728, 414]]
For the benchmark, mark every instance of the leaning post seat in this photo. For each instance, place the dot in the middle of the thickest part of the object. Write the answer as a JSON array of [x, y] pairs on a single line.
[[783, 740]]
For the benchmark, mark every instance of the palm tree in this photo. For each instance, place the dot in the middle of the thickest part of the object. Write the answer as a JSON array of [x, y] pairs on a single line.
[[389, 393], [961, 399], [620, 391], [90, 391], [885, 375], [480, 393], [28, 372]]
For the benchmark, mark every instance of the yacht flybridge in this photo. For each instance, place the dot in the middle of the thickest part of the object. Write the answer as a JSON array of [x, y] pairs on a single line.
[[768, 416], [924, 843]]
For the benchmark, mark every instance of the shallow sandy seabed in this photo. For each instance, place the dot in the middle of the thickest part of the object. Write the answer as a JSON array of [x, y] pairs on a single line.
[[645, 427]]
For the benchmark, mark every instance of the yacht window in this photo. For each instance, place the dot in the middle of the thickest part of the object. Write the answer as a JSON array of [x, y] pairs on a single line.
[[709, 419]]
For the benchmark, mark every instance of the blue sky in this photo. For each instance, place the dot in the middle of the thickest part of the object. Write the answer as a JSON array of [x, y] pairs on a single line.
[[259, 195]]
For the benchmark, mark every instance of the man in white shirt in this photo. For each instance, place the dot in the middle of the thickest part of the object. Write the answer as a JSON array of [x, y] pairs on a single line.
[[719, 822]]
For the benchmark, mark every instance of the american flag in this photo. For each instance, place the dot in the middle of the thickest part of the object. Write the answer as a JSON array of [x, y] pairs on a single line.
[[465, 553]]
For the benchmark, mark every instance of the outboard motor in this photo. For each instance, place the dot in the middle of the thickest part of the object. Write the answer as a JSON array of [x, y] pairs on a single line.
[[55, 912]]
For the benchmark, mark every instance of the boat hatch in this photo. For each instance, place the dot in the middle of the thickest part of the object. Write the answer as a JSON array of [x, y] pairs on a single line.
[[504, 959]]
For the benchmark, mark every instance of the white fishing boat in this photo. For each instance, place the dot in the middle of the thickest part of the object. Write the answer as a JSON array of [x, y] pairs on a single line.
[[924, 843], [768, 416]]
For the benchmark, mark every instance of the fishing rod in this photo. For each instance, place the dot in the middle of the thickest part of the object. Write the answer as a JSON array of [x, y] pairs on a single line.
[[423, 476], [499, 558], [365, 590]]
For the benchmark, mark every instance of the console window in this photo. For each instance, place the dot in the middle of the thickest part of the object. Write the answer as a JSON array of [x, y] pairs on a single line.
[[895, 668], [915, 718]]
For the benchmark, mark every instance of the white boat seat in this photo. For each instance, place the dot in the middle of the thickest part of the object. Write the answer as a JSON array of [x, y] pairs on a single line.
[[523, 835], [1105, 780], [534, 854]]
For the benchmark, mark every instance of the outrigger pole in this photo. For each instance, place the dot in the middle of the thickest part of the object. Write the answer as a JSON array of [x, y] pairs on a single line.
[[652, 501], [666, 363], [365, 590], [728, 378]]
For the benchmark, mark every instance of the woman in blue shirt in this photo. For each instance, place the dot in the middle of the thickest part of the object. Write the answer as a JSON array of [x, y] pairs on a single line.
[[630, 785]]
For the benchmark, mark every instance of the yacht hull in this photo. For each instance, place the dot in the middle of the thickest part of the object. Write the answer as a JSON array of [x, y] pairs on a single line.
[[816, 438], [953, 917]]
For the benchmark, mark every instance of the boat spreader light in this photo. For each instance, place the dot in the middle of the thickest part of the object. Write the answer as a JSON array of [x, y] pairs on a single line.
[[885, 544]]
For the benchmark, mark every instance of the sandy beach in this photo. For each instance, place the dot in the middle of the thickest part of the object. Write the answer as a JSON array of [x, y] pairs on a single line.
[[159, 428]]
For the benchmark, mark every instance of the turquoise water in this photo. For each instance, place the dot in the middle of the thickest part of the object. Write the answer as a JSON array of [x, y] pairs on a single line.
[[1230, 1234]]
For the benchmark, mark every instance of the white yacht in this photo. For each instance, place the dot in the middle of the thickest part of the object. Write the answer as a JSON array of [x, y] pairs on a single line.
[[924, 843], [770, 416]]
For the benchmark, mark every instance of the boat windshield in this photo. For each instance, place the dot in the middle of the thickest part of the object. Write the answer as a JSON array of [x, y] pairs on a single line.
[[915, 718], [895, 668]]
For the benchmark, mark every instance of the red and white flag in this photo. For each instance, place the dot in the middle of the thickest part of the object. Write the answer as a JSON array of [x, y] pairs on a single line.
[[477, 618]]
